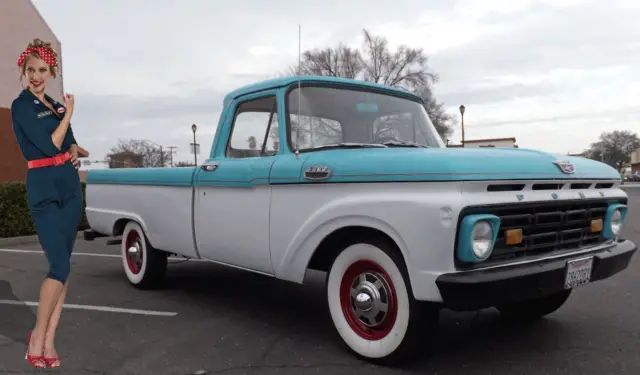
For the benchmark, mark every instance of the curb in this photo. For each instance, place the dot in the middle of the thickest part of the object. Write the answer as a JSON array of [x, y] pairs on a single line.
[[22, 240]]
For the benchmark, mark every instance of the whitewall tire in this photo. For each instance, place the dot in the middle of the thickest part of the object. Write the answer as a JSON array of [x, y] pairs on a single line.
[[144, 266], [371, 303]]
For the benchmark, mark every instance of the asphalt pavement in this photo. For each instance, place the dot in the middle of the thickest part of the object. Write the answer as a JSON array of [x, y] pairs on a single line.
[[216, 320]]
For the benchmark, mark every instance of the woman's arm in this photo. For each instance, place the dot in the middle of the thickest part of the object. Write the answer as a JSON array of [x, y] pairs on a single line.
[[60, 133], [25, 119]]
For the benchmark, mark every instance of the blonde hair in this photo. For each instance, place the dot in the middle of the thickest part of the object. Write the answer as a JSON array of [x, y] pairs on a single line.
[[39, 43]]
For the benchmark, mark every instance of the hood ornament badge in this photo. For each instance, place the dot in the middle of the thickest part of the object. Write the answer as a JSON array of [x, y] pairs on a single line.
[[565, 166]]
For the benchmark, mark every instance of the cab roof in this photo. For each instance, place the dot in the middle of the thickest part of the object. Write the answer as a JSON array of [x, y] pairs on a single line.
[[286, 81]]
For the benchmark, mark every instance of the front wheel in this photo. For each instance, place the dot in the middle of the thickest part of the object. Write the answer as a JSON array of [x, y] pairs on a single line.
[[144, 266], [372, 306]]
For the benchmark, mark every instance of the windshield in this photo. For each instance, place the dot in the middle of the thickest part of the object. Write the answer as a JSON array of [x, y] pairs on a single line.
[[350, 118]]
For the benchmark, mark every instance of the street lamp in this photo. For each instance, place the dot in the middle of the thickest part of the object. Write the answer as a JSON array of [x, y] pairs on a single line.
[[462, 113], [195, 153]]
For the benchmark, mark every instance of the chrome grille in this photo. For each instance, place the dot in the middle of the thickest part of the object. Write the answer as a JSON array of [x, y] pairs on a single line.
[[547, 227]]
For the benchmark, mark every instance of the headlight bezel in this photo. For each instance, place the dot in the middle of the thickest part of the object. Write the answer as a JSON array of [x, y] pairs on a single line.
[[465, 248], [608, 231]]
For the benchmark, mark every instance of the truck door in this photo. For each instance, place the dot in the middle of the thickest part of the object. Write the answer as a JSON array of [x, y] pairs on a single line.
[[232, 188]]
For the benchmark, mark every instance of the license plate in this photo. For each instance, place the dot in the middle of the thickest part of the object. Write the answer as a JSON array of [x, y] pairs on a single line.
[[578, 272]]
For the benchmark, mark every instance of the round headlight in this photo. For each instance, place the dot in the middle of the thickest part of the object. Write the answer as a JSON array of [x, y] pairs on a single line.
[[616, 222], [482, 239]]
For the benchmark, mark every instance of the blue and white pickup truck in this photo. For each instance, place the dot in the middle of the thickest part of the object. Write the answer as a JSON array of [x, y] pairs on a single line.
[[351, 178]]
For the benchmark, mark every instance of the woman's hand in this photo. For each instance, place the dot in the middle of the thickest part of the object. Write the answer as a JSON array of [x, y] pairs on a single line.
[[73, 150], [68, 103]]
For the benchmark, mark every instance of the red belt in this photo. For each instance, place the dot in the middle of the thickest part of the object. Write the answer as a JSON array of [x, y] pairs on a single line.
[[57, 160]]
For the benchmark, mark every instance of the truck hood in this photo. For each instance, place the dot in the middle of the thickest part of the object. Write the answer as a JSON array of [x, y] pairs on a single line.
[[450, 164]]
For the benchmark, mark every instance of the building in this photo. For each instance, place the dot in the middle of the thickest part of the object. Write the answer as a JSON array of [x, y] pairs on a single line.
[[635, 161], [20, 22], [125, 159], [488, 142]]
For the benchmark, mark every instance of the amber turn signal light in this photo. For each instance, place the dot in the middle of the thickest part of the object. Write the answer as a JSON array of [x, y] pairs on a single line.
[[596, 225], [513, 236]]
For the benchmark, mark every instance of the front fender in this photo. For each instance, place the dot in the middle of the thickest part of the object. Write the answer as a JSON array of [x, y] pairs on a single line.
[[297, 256], [418, 217]]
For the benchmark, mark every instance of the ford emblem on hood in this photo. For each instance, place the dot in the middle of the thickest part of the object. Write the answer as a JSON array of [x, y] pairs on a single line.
[[565, 166]]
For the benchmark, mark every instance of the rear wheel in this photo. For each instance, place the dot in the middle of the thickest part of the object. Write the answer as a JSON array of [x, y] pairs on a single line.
[[372, 306], [144, 266]]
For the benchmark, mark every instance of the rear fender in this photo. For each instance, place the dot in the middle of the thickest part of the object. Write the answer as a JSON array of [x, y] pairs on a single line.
[[109, 221]]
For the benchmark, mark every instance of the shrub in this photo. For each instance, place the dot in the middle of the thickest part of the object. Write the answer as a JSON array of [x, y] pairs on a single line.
[[15, 219]]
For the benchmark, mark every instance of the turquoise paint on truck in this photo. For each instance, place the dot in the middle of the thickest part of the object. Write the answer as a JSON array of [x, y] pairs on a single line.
[[371, 165], [350, 165]]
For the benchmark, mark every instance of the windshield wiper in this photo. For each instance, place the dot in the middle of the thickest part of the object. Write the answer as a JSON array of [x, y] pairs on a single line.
[[347, 145], [404, 144]]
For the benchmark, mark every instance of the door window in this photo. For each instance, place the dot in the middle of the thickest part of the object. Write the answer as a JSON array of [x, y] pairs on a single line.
[[254, 131]]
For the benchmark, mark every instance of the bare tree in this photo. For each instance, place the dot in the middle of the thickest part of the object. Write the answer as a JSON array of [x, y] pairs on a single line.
[[405, 68], [614, 148], [151, 155]]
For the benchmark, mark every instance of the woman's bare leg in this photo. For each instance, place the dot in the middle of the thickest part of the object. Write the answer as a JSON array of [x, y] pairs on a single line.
[[50, 336], [49, 296]]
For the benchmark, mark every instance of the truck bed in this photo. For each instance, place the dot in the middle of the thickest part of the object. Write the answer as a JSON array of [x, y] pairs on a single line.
[[159, 199]]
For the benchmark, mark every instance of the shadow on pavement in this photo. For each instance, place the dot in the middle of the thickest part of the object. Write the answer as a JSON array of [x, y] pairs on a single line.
[[299, 313], [15, 320]]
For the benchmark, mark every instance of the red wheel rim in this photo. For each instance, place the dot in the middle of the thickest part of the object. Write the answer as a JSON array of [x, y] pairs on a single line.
[[133, 248], [368, 300]]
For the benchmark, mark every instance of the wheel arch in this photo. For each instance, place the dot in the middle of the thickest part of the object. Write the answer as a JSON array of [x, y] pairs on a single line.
[[321, 247], [121, 222], [306, 246], [333, 243]]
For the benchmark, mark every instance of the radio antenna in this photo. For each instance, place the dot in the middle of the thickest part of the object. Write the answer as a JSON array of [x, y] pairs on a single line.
[[299, 85]]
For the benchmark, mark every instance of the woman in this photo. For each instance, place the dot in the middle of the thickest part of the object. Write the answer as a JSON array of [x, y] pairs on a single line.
[[54, 194]]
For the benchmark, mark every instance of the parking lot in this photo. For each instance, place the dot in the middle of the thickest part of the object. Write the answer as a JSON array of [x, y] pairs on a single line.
[[215, 320]]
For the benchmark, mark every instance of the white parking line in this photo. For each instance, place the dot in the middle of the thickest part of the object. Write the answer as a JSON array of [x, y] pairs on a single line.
[[41, 252], [91, 254], [94, 308]]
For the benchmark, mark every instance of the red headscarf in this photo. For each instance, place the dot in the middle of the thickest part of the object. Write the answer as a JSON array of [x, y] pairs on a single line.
[[45, 53]]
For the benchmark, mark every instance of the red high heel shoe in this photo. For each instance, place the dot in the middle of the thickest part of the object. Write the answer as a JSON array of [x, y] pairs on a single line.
[[52, 362], [34, 360]]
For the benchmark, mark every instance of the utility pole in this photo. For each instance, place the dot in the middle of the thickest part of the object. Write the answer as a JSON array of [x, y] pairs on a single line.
[[171, 148]]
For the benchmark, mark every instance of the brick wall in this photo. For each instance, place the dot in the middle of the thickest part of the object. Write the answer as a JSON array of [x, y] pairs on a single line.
[[20, 22], [13, 167]]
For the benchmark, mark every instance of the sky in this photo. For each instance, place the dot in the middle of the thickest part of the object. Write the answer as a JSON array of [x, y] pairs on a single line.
[[552, 73]]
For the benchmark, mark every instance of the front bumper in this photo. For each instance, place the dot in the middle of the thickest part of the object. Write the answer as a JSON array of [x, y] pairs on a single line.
[[500, 285]]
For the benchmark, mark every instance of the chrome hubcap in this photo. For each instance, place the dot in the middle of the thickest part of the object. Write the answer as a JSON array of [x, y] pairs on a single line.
[[134, 253], [370, 298]]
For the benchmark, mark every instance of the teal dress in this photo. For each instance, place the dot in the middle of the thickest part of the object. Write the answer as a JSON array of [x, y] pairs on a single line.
[[54, 193]]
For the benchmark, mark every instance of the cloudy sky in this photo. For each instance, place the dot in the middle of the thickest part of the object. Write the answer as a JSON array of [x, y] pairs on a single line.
[[552, 73]]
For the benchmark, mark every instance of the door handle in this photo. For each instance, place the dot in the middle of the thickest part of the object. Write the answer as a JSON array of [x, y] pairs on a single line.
[[210, 167]]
